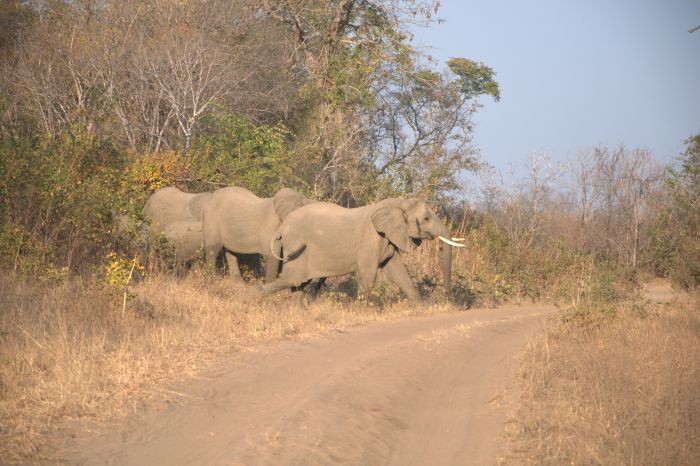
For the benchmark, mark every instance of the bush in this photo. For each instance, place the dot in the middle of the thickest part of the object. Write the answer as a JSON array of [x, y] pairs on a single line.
[[238, 152], [72, 199], [499, 270], [674, 248]]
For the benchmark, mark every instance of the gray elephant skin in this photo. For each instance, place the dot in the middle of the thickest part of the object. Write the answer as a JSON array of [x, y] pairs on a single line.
[[238, 221], [178, 216], [326, 240], [231, 219]]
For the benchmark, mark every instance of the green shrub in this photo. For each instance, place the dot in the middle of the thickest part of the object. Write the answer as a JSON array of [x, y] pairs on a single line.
[[238, 152], [21, 251]]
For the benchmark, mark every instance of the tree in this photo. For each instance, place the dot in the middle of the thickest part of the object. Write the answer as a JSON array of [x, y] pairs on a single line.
[[377, 122], [422, 126], [623, 182], [147, 74], [675, 246]]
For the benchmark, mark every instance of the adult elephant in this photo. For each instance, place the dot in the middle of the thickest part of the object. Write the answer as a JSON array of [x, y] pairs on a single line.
[[326, 240], [178, 216], [237, 221]]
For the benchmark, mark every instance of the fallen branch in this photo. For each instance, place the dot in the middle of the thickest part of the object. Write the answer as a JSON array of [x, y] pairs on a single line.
[[199, 180], [126, 285]]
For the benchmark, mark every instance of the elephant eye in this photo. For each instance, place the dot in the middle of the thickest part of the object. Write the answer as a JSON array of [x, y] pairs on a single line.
[[425, 220]]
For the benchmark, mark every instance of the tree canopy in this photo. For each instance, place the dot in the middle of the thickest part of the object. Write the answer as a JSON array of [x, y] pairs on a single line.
[[103, 102]]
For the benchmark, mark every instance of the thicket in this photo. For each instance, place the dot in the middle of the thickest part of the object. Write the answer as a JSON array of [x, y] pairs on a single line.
[[101, 103], [576, 233]]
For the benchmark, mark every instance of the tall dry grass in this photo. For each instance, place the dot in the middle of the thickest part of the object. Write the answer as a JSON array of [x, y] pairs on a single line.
[[621, 389], [70, 351]]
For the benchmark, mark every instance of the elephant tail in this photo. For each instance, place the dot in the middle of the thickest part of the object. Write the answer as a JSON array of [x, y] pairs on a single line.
[[294, 254], [276, 246], [276, 249]]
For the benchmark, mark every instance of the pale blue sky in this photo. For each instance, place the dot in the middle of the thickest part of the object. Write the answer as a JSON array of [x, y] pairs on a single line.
[[576, 74]]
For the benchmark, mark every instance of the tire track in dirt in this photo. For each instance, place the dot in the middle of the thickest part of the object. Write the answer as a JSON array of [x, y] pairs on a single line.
[[417, 391]]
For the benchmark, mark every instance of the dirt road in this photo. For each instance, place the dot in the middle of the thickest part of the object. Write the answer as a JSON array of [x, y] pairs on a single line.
[[418, 391]]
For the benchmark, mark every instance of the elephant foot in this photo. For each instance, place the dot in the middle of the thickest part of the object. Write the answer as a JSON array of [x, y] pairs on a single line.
[[315, 288], [235, 278], [277, 285], [258, 291]]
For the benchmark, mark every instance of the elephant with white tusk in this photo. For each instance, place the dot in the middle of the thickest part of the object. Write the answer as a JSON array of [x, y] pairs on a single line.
[[326, 240]]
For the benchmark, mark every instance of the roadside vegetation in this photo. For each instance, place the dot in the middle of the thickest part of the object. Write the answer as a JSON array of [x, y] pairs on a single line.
[[613, 388], [102, 104], [616, 380]]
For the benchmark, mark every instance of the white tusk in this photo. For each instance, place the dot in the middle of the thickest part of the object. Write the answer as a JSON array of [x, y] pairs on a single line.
[[459, 239], [451, 243]]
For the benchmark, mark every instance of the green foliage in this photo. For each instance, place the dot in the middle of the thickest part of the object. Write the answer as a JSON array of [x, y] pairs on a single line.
[[474, 79], [59, 191], [143, 174], [674, 248], [689, 174], [685, 186], [238, 152], [67, 201]]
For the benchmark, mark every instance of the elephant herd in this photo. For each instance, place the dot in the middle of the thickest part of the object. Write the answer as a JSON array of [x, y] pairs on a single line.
[[300, 239]]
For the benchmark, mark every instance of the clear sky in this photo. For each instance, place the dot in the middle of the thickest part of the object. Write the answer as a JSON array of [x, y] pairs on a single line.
[[579, 73]]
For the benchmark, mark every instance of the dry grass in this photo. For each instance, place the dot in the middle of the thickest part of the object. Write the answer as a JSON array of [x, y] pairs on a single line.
[[68, 351], [615, 390]]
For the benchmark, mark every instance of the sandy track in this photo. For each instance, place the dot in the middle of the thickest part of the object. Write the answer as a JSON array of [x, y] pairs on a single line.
[[417, 391]]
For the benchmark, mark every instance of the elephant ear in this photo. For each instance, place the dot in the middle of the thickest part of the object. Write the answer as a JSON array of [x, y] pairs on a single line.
[[393, 224], [288, 200]]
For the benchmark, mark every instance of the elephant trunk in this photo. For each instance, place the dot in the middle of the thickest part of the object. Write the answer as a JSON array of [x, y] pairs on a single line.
[[446, 259]]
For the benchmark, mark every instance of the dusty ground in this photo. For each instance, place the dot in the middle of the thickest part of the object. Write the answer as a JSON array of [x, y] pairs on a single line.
[[417, 391]]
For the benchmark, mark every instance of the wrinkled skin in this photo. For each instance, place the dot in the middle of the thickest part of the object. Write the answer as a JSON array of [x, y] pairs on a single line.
[[178, 216], [238, 221], [326, 240]]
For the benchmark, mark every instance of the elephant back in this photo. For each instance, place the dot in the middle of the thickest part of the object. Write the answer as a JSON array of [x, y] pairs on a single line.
[[287, 201], [236, 192], [167, 205], [197, 205]]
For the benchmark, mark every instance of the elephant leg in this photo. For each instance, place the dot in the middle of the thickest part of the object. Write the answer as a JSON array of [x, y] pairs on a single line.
[[211, 253], [275, 286], [366, 278], [396, 273], [315, 287], [366, 272], [301, 287], [234, 270], [272, 265]]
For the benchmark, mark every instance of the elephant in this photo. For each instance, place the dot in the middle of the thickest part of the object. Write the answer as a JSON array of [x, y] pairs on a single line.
[[326, 240], [178, 216], [238, 221]]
